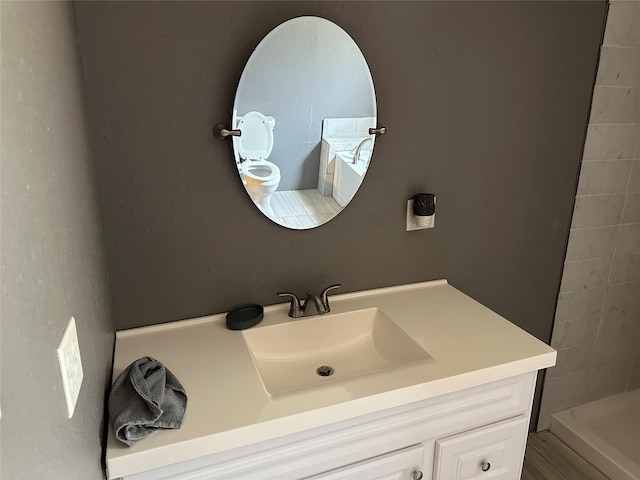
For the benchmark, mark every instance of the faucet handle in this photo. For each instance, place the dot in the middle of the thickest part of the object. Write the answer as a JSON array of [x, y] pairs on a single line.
[[324, 296], [295, 309]]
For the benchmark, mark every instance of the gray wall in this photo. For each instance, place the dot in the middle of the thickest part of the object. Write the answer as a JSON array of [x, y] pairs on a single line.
[[52, 256], [486, 104], [306, 71]]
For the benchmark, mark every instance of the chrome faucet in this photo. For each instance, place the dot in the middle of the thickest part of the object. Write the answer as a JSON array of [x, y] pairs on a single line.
[[358, 149], [300, 308]]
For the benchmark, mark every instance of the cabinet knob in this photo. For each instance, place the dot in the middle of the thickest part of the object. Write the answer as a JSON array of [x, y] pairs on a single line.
[[417, 475], [485, 466]]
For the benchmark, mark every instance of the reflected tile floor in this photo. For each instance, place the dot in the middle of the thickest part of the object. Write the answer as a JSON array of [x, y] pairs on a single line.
[[303, 208]]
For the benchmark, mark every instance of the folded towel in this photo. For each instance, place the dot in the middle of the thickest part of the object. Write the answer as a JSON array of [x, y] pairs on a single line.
[[144, 398]]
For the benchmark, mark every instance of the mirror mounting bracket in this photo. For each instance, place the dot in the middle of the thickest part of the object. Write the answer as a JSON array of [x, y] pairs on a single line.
[[221, 132]]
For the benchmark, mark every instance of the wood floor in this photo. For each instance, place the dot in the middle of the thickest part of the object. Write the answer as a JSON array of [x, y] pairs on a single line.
[[548, 458]]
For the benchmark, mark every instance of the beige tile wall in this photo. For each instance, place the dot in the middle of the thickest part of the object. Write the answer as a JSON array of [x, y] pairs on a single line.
[[597, 323]]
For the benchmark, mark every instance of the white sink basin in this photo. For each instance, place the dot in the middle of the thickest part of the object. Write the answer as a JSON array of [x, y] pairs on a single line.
[[362, 342]]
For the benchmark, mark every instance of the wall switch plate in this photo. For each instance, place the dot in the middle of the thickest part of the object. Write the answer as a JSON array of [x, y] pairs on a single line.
[[411, 223], [70, 365]]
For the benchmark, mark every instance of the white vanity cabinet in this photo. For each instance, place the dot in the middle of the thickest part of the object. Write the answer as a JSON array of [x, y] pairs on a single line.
[[459, 412], [474, 433]]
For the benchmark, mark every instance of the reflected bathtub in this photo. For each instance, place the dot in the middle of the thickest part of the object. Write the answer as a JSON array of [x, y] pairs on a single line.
[[348, 177], [605, 432]]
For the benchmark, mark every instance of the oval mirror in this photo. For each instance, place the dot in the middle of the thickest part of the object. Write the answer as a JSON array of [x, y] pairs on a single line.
[[305, 103]]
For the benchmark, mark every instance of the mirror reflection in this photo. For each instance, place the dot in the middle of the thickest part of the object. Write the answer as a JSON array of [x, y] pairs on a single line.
[[305, 103]]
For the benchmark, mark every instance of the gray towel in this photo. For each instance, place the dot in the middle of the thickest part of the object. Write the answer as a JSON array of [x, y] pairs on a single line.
[[144, 398]]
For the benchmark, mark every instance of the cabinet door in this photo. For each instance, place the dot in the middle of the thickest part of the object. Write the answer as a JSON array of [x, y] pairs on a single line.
[[405, 464], [492, 452]]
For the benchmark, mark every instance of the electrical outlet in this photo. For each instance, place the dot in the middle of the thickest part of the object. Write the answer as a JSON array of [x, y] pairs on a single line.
[[70, 365]]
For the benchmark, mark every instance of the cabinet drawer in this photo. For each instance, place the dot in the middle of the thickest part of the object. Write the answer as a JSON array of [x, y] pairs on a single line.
[[493, 452], [405, 464]]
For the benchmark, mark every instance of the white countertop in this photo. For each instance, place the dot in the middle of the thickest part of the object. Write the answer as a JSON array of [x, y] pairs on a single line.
[[228, 406]]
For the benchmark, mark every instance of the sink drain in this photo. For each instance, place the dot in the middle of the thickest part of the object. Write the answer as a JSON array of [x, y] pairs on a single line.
[[324, 371]]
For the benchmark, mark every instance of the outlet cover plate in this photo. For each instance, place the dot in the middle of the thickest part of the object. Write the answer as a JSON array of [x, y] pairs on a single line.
[[70, 366]]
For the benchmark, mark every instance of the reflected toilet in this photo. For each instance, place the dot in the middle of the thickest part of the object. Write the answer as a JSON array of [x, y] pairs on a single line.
[[261, 177]]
